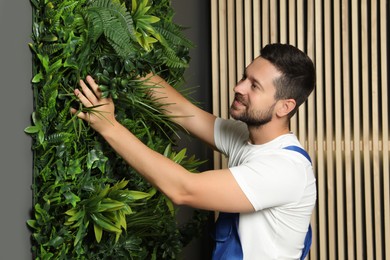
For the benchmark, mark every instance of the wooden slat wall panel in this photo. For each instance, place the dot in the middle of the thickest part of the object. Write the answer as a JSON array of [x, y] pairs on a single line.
[[345, 123]]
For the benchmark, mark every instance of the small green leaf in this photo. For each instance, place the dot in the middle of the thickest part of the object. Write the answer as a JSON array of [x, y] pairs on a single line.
[[71, 198], [37, 78], [49, 38], [76, 217], [56, 241], [110, 205], [120, 185], [137, 195], [32, 129], [71, 211], [105, 223], [81, 232], [170, 206], [180, 156], [32, 223], [98, 232]]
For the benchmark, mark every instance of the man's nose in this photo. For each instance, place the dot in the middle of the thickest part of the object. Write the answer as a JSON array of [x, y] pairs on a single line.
[[242, 86]]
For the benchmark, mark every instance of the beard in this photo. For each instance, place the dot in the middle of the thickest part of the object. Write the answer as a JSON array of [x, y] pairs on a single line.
[[252, 118]]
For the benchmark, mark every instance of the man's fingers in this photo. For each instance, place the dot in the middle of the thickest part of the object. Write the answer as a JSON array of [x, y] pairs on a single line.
[[94, 86], [83, 99], [79, 114], [88, 94]]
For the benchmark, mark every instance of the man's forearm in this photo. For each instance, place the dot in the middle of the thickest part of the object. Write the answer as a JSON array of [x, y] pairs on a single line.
[[160, 171]]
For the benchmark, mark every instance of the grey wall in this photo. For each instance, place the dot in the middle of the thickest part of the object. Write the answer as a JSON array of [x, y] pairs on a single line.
[[16, 106]]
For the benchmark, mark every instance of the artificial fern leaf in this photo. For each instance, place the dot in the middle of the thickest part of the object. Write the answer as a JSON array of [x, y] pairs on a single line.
[[173, 35], [172, 60], [112, 19], [50, 49]]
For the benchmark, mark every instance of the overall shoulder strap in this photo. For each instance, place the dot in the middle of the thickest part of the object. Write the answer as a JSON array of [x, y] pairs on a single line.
[[299, 150]]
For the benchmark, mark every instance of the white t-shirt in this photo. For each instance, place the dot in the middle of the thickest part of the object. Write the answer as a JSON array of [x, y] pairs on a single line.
[[279, 183]]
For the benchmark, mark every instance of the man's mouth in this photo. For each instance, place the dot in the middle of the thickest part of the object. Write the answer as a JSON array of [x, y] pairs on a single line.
[[238, 100]]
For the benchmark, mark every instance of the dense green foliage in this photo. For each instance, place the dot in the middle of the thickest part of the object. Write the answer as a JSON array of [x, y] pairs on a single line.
[[88, 203]]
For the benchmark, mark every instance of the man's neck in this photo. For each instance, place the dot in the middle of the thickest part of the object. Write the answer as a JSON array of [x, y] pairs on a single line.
[[266, 133]]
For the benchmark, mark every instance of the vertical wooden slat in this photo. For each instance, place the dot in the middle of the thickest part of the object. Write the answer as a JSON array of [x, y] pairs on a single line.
[[265, 22], [223, 65], [240, 43], [321, 181], [292, 10], [330, 182], [350, 233], [256, 28], [366, 131], [384, 9], [232, 61], [356, 132], [273, 21], [223, 58], [311, 120], [215, 67], [375, 133], [292, 35], [248, 32], [283, 21], [302, 122], [338, 130]]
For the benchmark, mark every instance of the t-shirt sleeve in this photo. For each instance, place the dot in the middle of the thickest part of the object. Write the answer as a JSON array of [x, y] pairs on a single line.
[[228, 134], [271, 182]]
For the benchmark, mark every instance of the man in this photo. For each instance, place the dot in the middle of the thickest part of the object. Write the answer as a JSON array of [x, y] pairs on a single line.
[[273, 189]]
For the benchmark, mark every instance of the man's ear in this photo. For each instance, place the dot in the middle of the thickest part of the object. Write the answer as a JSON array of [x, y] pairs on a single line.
[[285, 106]]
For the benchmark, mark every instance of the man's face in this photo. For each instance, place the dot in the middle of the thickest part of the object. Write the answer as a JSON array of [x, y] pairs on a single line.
[[254, 100]]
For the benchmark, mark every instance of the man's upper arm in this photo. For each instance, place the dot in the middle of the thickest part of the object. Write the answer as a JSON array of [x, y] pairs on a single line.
[[216, 190], [200, 124], [196, 121]]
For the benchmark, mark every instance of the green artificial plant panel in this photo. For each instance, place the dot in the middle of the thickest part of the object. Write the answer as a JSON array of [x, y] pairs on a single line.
[[88, 203]]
